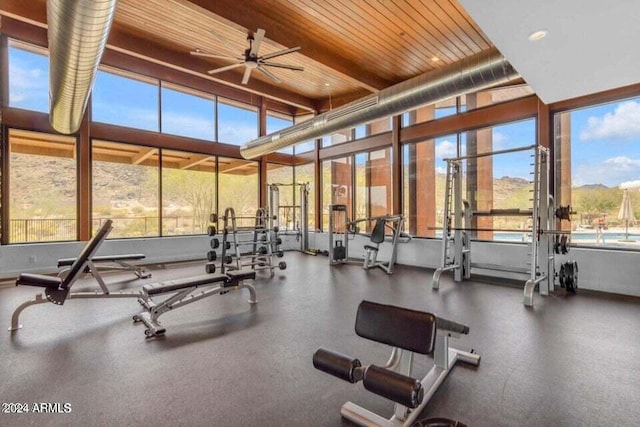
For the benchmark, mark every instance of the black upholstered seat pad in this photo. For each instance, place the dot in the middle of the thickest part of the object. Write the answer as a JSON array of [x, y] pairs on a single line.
[[41, 280], [396, 326], [241, 275], [103, 258], [188, 282]]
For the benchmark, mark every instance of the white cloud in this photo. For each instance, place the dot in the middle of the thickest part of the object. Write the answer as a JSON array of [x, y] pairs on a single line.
[[623, 163], [440, 170], [198, 127], [623, 123], [630, 184], [610, 172], [445, 149], [237, 132], [499, 141]]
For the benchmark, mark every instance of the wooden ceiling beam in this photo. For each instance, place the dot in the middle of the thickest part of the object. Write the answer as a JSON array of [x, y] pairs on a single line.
[[143, 155], [193, 161], [234, 166], [248, 16]]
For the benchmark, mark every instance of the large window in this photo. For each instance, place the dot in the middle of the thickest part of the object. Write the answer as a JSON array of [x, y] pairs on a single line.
[[187, 113], [123, 100], [306, 146], [598, 173], [125, 188], [42, 187], [373, 184], [424, 176], [237, 123], [288, 214], [501, 181], [427, 113], [494, 96], [188, 192], [336, 187], [238, 188], [337, 138], [28, 77]]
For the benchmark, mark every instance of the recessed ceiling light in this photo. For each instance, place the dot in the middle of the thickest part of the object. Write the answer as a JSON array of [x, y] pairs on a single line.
[[327, 84], [537, 35], [435, 59]]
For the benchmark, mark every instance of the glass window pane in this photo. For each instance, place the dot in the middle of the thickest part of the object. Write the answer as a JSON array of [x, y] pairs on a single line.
[[42, 178], [306, 146], [373, 184], [125, 182], [494, 96], [288, 214], [238, 188], [237, 123], [598, 173], [305, 174], [429, 112], [336, 187], [424, 176], [125, 101], [186, 114], [188, 192], [500, 181], [337, 138], [276, 122], [28, 78]]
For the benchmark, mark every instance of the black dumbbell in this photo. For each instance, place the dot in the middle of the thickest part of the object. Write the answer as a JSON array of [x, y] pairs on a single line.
[[212, 255], [210, 268], [213, 217], [276, 229], [211, 230], [282, 265], [228, 259], [215, 243], [262, 250], [280, 254], [227, 245]]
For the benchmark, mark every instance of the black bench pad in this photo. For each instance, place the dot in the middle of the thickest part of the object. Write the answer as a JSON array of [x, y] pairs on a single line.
[[239, 275], [189, 282], [373, 248], [40, 280], [64, 262]]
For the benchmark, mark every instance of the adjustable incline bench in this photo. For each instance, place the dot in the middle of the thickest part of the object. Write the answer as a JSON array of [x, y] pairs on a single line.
[[107, 262], [56, 289], [182, 292], [408, 332]]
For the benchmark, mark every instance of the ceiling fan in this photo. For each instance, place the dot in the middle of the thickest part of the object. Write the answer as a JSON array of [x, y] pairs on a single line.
[[250, 58]]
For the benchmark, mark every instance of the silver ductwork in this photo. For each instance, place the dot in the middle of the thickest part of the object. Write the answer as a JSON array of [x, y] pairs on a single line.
[[477, 72], [78, 33]]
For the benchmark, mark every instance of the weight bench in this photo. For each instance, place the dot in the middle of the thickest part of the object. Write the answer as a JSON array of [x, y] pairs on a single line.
[[182, 292], [57, 289], [408, 332], [108, 262]]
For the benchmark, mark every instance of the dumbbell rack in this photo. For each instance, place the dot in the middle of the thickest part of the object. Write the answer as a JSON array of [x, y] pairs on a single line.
[[263, 244], [212, 255]]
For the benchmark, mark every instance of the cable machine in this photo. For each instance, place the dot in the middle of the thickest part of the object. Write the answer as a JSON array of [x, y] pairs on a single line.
[[290, 219]]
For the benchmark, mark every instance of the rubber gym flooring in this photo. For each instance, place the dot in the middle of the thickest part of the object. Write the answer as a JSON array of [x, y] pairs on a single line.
[[573, 360]]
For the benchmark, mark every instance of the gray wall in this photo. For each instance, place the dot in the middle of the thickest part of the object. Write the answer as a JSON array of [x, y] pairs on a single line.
[[599, 269]]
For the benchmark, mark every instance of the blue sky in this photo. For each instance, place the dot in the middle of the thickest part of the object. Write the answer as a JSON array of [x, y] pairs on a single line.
[[605, 139]]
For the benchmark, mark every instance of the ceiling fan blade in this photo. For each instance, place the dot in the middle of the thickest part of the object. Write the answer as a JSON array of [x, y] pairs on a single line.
[[214, 55], [224, 42], [228, 67], [279, 65], [257, 40], [245, 78], [269, 74], [280, 53]]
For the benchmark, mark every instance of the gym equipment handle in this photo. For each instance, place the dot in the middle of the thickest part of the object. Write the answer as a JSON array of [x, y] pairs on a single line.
[[338, 365], [450, 325], [400, 388]]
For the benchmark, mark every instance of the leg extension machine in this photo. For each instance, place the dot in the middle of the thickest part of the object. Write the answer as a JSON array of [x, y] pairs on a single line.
[[408, 332]]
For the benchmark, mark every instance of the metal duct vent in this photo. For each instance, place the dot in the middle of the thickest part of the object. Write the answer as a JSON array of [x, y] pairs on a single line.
[[367, 102], [477, 72], [78, 33]]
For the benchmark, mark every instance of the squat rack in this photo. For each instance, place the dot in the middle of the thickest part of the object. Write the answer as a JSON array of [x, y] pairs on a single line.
[[456, 247], [298, 213]]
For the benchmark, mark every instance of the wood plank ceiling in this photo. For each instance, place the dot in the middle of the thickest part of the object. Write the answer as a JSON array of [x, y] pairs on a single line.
[[349, 47]]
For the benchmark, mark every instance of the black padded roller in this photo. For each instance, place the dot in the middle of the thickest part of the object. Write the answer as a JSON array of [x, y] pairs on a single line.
[[404, 390], [336, 364], [450, 325]]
